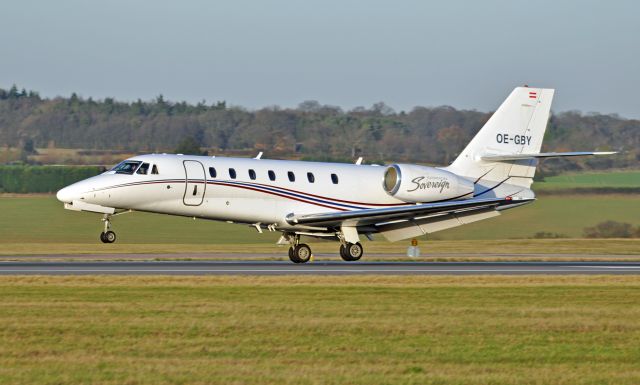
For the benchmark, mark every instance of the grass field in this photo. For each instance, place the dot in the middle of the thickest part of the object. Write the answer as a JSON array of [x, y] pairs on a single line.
[[42, 219], [458, 250], [38, 225], [591, 180], [320, 330]]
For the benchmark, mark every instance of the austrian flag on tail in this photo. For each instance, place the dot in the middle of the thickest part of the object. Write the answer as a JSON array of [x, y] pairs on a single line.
[[533, 95]]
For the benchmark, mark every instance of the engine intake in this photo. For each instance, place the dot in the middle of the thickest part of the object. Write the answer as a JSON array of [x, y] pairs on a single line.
[[412, 183]]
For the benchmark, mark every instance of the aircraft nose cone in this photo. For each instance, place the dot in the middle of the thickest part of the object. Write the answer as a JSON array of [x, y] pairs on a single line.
[[65, 195]]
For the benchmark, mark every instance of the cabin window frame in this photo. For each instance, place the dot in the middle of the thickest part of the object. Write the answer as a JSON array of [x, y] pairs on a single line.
[[143, 168], [118, 168], [334, 178], [232, 173]]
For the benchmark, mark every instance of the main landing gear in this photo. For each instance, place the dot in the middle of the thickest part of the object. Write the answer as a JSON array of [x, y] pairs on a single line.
[[298, 252], [107, 236], [301, 252], [351, 251]]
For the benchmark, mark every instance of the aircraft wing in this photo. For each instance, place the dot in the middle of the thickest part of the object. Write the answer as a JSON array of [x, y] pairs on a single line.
[[374, 217]]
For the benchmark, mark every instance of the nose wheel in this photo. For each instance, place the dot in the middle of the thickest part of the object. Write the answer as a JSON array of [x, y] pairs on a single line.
[[107, 236]]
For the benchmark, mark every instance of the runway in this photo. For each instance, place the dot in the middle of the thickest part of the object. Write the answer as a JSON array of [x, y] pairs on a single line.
[[248, 256], [315, 268]]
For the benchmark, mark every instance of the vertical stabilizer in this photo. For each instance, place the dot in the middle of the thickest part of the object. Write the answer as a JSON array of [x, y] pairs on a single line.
[[517, 127]]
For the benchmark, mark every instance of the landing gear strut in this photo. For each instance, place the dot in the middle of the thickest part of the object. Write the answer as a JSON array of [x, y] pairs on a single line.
[[351, 251], [298, 252], [107, 236]]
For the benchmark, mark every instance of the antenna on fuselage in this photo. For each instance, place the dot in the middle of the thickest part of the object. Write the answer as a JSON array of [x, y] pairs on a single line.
[[259, 156], [359, 161]]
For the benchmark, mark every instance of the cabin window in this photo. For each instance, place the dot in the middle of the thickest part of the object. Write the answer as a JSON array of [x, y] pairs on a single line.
[[252, 174], [212, 172], [154, 170], [310, 177], [126, 167], [272, 175], [144, 169], [334, 178], [232, 173], [292, 176]]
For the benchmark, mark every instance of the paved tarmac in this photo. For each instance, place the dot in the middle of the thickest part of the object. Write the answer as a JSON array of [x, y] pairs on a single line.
[[320, 256], [315, 268]]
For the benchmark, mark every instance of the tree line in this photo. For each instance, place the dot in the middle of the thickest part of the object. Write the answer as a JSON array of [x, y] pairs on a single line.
[[431, 135], [42, 179]]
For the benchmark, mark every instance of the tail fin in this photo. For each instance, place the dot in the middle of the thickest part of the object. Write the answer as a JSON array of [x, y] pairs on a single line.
[[517, 127]]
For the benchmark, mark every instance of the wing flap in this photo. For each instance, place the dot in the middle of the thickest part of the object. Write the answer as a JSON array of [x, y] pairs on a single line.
[[415, 228]]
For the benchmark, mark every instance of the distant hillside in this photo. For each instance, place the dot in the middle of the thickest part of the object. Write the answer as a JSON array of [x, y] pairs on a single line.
[[312, 131], [612, 181]]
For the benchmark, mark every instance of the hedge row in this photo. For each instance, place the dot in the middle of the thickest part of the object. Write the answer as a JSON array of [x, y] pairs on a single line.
[[42, 179]]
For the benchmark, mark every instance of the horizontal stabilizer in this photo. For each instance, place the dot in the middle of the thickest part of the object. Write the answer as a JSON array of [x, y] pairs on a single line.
[[498, 158]]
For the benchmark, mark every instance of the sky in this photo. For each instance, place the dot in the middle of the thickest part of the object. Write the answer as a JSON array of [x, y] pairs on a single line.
[[347, 53]]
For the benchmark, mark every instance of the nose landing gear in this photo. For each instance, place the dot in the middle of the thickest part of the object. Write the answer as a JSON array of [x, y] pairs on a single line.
[[107, 236]]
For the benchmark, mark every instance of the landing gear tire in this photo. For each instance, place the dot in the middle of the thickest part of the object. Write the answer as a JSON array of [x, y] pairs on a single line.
[[108, 237], [351, 251], [300, 253]]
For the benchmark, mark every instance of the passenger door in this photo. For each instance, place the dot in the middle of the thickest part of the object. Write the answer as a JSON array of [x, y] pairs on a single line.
[[195, 183]]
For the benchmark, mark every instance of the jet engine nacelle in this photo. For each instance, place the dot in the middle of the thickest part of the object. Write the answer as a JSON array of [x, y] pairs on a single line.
[[412, 183]]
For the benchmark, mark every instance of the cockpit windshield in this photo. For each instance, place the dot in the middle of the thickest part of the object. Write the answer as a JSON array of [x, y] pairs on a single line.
[[126, 167]]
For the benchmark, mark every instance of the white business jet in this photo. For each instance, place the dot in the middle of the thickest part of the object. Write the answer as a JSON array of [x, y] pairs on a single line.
[[333, 200]]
